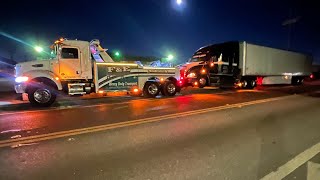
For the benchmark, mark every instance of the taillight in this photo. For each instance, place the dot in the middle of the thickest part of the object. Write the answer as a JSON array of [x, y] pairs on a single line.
[[311, 76], [259, 80]]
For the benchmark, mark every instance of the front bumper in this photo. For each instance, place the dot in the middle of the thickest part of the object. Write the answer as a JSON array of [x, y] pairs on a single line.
[[20, 88]]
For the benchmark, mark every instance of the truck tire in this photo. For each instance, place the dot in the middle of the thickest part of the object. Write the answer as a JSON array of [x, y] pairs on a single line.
[[41, 95], [169, 88], [202, 82], [151, 89], [251, 84], [296, 81], [245, 84]]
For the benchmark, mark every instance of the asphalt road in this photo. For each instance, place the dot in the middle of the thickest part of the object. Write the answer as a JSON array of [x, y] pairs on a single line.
[[270, 133]]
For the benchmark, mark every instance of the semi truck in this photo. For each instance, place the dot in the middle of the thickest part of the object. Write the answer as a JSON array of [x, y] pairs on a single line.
[[244, 65], [81, 67]]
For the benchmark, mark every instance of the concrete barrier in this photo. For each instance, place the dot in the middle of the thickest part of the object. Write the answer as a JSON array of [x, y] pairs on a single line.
[[6, 85]]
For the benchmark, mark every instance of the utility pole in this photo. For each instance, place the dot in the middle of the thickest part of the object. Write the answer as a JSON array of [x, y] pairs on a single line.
[[289, 23]]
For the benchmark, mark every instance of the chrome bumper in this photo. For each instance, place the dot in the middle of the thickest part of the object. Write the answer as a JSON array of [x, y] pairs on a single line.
[[20, 88]]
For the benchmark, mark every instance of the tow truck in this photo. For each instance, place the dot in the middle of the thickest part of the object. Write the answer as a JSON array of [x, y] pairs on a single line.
[[81, 67]]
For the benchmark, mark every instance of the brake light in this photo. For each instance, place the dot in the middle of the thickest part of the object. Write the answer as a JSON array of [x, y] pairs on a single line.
[[259, 80], [311, 76]]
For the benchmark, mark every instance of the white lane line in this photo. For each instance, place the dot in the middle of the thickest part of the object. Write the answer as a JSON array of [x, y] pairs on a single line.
[[313, 171], [11, 130], [4, 103], [293, 164], [120, 107]]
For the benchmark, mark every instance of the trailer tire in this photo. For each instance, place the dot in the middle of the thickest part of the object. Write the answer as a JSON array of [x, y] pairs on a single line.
[[251, 84], [41, 95], [151, 89], [245, 84], [169, 88], [296, 81]]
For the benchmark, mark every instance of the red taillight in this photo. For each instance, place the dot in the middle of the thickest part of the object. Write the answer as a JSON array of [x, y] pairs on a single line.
[[259, 80], [311, 76]]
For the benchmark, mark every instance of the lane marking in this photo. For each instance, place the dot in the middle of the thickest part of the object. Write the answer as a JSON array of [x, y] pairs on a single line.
[[42, 137], [313, 170], [120, 107], [293, 164], [10, 130]]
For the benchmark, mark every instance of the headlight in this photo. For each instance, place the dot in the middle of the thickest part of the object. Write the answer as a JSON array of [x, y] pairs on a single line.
[[22, 79], [192, 75]]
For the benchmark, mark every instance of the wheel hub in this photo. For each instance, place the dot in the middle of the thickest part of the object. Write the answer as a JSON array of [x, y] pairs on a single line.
[[171, 88], [42, 96], [253, 83], [152, 89], [202, 81]]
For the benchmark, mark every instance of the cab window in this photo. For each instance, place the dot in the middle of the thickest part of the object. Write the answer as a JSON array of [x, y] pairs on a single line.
[[69, 53]]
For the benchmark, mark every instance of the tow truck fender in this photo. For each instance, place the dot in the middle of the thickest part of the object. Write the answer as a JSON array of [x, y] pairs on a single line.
[[44, 74]]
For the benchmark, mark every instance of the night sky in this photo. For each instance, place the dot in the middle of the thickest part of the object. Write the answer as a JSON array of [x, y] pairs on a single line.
[[159, 27]]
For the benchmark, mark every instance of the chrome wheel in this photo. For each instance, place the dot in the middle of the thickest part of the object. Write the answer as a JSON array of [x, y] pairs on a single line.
[[202, 81], [253, 83], [42, 96], [244, 84], [153, 89], [171, 88]]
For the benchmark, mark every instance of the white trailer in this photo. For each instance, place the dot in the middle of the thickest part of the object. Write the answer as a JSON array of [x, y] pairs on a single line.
[[81, 67], [276, 66], [245, 65]]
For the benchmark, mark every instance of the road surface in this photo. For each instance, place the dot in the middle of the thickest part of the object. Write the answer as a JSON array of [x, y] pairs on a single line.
[[268, 133]]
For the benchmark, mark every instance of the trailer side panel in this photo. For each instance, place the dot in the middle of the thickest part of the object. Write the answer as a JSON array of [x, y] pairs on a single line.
[[266, 61]]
